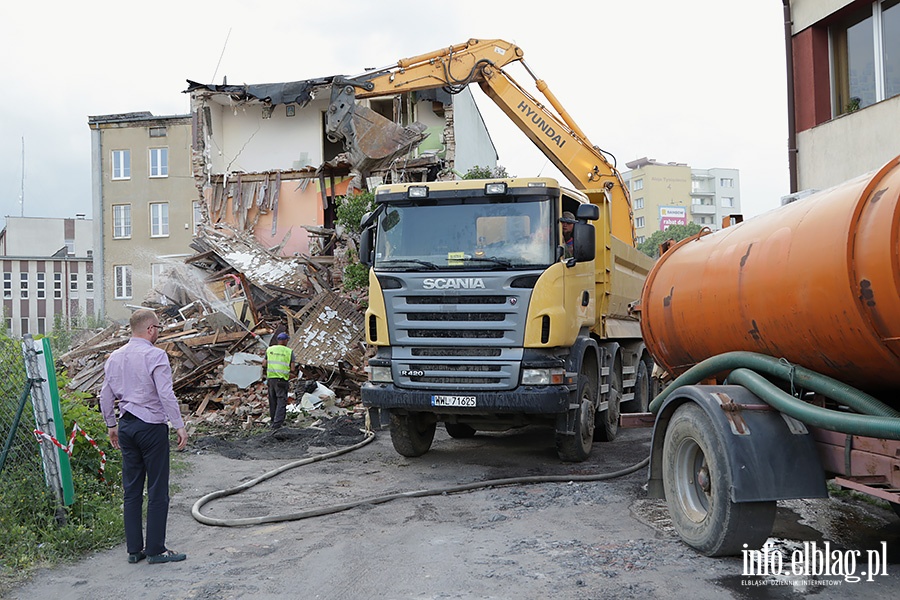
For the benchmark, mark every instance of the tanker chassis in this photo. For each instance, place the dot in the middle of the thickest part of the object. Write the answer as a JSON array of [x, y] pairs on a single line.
[[783, 333]]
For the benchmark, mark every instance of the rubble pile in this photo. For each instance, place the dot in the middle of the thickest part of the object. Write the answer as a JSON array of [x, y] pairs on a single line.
[[218, 311]]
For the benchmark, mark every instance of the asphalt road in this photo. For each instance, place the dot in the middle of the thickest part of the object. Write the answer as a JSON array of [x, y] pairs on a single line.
[[577, 540]]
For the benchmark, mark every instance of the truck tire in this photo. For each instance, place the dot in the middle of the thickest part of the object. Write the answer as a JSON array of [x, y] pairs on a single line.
[[459, 431], [412, 433], [607, 426], [577, 447], [697, 483]]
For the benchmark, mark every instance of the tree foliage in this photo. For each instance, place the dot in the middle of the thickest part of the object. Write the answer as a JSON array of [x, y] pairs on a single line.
[[349, 210], [477, 172], [650, 246]]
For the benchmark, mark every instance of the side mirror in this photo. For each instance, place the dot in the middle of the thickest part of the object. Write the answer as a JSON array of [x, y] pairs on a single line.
[[584, 241], [366, 239]]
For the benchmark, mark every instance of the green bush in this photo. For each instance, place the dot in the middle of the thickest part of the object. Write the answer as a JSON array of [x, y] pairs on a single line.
[[349, 210], [477, 172], [31, 533]]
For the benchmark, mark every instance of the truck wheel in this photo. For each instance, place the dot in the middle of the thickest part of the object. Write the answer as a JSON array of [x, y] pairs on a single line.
[[412, 433], [459, 430], [608, 420], [697, 484], [641, 402], [577, 447]]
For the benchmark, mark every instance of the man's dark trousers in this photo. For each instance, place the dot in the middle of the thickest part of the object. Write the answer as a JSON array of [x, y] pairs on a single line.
[[278, 391], [145, 456]]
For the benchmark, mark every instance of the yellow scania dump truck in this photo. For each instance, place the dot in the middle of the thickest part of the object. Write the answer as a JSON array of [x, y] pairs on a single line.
[[480, 315]]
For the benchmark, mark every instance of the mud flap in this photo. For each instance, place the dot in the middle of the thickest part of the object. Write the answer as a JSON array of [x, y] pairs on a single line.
[[770, 456]]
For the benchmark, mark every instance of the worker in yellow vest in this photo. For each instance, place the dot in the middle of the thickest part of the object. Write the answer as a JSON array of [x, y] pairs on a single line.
[[278, 366]]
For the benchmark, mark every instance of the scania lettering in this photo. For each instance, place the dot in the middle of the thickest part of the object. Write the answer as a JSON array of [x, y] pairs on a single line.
[[449, 284]]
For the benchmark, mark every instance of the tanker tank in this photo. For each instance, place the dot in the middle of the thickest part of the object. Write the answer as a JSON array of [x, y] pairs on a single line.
[[816, 282]]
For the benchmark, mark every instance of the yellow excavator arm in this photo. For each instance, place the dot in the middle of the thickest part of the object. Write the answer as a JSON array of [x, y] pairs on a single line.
[[551, 128]]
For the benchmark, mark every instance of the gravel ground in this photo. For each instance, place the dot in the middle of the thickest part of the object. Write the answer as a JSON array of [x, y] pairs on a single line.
[[581, 540]]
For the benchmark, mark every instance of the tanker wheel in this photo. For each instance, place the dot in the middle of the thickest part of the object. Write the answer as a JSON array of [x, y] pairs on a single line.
[[412, 433], [459, 431], [697, 483], [608, 420], [577, 447], [641, 402]]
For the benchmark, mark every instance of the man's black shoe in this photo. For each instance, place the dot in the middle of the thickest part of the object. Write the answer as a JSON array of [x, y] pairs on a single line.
[[167, 556], [136, 557]]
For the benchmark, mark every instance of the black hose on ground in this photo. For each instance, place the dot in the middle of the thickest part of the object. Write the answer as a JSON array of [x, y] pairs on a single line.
[[318, 512]]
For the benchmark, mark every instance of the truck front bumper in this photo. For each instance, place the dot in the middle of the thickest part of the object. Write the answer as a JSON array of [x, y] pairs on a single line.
[[553, 399]]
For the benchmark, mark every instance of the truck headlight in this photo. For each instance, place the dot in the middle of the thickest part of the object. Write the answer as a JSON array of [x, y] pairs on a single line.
[[543, 376], [380, 375]]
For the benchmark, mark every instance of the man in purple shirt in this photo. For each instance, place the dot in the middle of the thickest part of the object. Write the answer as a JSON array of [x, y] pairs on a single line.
[[139, 377]]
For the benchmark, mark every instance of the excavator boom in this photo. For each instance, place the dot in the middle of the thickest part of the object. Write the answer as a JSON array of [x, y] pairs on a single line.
[[370, 137]]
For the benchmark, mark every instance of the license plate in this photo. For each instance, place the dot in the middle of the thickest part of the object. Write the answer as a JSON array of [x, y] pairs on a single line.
[[453, 401]]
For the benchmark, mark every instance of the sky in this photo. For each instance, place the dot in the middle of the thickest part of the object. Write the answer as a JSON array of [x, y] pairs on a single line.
[[700, 82]]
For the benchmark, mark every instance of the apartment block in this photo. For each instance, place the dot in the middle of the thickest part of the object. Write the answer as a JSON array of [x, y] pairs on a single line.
[[664, 194], [48, 273], [145, 204]]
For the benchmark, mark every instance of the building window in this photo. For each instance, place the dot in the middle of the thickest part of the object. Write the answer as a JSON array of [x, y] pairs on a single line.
[[637, 184], [638, 203], [24, 323], [7, 322], [7, 286], [727, 182], [89, 283], [639, 222], [159, 162], [57, 286], [121, 164], [73, 285], [23, 285], [640, 239], [198, 217], [41, 325], [157, 270], [121, 221], [157, 132], [122, 282], [727, 202], [41, 287], [159, 219], [866, 56]]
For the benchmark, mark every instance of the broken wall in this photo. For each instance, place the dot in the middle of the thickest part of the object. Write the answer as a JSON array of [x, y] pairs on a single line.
[[273, 206]]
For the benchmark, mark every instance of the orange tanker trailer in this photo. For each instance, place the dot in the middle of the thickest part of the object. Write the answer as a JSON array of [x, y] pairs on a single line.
[[783, 333]]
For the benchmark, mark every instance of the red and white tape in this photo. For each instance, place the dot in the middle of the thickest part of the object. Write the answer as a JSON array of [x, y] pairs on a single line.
[[40, 435]]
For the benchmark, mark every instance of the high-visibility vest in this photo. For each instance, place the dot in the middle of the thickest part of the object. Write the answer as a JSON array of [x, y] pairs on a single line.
[[278, 362]]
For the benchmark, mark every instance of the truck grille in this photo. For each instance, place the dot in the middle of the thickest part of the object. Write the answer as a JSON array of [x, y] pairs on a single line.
[[449, 341]]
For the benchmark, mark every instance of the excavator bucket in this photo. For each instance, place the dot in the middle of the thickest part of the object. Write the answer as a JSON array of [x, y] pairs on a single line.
[[371, 140]]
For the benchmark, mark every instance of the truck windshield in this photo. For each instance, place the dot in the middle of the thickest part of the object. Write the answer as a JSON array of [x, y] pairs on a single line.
[[464, 235]]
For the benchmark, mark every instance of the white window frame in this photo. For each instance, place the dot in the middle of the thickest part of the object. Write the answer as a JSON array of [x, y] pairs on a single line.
[[637, 184], [41, 325], [726, 182], [159, 162], [639, 223], [7, 286], [197, 216], [57, 286], [89, 284], [41, 286], [23, 286], [24, 323], [73, 285], [121, 165], [121, 221], [638, 203], [727, 202], [122, 282], [159, 219]]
